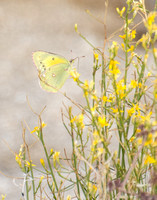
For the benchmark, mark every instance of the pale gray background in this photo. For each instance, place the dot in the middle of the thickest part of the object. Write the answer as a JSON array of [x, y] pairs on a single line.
[[27, 26]]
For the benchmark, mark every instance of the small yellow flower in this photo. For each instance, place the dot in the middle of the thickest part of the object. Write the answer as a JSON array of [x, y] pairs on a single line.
[[113, 68], [95, 142], [85, 85], [76, 27], [80, 121], [41, 178], [134, 83], [150, 160], [92, 188], [42, 162], [132, 139], [122, 36], [133, 34], [27, 164], [104, 98], [120, 12], [73, 119], [18, 160], [102, 121], [114, 110], [37, 129], [131, 48], [93, 109], [151, 18], [139, 141], [100, 151], [131, 111], [96, 56], [56, 156], [68, 197], [149, 139], [140, 85], [155, 52], [3, 196], [75, 75]]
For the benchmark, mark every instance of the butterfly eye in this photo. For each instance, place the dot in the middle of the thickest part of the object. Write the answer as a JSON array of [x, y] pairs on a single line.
[[66, 69], [53, 75], [53, 58], [40, 62]]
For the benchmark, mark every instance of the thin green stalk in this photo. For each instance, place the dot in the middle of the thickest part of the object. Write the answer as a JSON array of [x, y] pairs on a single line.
[[49, 164], [74, 157], [25, 171]]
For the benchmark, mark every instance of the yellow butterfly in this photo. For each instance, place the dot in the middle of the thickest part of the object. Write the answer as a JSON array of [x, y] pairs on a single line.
[[53, 70]]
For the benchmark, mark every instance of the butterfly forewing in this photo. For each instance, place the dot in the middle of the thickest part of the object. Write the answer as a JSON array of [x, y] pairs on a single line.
[[44, 60]]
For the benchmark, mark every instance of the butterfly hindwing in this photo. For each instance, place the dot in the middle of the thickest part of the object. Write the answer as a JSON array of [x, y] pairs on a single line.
[[53, 78]]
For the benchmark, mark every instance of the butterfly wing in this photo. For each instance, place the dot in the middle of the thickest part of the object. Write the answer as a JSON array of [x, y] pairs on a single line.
[[53, 70], [44, 60], [54, 78]]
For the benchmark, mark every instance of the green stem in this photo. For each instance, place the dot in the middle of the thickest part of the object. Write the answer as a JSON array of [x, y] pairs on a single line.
[[49, 164]]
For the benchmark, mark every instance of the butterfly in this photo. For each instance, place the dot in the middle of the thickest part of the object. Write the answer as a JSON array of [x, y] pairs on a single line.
[[53, 70]]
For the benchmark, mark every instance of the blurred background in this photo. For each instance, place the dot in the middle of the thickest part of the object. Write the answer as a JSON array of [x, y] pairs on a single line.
[[48, 25]]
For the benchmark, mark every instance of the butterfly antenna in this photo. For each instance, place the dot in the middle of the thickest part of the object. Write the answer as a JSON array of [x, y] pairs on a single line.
[[72, 60]]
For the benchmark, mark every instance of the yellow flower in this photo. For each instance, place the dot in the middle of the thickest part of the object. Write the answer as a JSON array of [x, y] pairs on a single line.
[[106, 99], [27, 164], [95, 142], [56, 156], [113, 68], [140, 85], [102, 121], [149, 139], [132, 139], [51, 151], [18, 160], [123, 46], [115, 110], [146, 118], [133, 34], [37, 129], [155, 52], [78, 120], [92, 188], [73, 119], [134, 109], [134, 83], [151, 18], [87, 86], [122, 36], [3, 196], [68, 197], [131, 48], [131, 111], [100, 151], [76, 27], [75, 75], [96, 56], [93, 109], [120, 12], [150, 160], [42, 162]]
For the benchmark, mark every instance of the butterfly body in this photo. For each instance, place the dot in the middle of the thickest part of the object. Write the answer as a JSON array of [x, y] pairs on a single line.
[[53, 70]]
